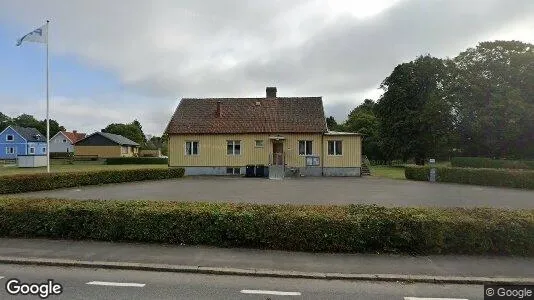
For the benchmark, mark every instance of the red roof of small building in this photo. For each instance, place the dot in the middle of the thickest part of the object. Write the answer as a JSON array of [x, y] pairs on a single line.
[[74, 136]]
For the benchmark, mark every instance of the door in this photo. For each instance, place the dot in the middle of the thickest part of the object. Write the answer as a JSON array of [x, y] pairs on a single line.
[[276, 170], [278, 153]]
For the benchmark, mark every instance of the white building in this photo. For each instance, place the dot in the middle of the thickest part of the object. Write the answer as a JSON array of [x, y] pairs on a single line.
[[63, 141]]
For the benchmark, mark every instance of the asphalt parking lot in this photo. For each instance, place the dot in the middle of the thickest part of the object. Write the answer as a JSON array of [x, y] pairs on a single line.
[[365, 190]]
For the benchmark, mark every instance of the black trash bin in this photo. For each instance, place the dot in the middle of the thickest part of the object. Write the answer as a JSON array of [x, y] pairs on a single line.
[[250, 171], [260, 171]]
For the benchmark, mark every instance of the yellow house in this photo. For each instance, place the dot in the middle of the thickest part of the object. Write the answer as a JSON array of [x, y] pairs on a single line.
[[222, 136], [106, 145]]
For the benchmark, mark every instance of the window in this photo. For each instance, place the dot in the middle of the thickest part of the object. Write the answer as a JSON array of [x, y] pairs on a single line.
[[32, 150], [10, 150], [259, 143], [233, 148], [124, 150], [233, 171], [305, 147], [44, 150], [64, 141], [191, 148], [335, 148], [10, 138]]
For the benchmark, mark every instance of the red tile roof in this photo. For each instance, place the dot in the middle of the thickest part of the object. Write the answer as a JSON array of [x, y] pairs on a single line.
[[249, 115], [74, 136]]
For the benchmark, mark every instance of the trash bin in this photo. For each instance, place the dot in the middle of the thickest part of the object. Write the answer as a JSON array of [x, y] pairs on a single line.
[[249, 171], [260, 171]]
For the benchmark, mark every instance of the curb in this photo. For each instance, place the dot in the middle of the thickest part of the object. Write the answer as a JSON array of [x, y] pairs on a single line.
[[261, 272]]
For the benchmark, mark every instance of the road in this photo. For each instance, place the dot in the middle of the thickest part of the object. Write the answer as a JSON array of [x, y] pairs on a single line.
[[366, 190], [115, 284]]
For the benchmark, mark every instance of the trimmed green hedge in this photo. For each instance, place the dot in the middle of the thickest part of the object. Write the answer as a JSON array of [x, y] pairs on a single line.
[[137, 161], [483, 162], [38, 182], [490, 177], [354, 228]]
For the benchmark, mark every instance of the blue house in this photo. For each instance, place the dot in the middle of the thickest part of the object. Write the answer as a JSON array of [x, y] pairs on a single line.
[[16, 140]]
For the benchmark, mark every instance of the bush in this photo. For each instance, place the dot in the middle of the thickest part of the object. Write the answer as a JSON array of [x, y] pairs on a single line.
[[354, 228], [39, 182], [489, 177], [137, 161], [482, 162]]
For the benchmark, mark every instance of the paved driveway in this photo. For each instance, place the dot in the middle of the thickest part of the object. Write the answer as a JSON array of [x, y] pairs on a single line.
[[380, 191]]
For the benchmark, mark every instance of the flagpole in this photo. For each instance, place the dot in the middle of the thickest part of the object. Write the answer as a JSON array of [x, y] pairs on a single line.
[[47, 104]]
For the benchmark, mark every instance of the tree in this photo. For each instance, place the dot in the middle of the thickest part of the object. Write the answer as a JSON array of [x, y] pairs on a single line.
[[493, 91], [332, 124], [26, 120], [132, 131], [414, 113], [4, 121], [363, 120]]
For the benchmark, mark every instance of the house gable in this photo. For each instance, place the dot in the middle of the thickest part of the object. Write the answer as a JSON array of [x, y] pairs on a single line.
[[10, 130]]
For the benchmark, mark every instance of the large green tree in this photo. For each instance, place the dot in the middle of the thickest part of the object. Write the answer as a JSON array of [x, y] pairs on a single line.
[[415, 114], [132, 131], [493, 91]]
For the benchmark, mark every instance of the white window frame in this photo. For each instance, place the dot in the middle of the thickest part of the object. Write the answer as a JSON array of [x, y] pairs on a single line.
[[305, 147], [10, 150], [334, 148], [123, 149], [192, 143], [12, 138], [262, 143], [31, 150], [64, 141], [234, 143], [44, 150]]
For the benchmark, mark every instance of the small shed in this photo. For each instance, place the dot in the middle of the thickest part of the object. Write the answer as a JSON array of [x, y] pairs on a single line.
[[31, 161]]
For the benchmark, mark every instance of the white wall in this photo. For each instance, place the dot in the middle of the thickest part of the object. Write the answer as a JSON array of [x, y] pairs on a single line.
[[60, 143]]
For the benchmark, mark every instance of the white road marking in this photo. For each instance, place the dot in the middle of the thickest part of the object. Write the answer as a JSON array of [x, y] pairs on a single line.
[[116, 283], [277, 293], [417, 298]]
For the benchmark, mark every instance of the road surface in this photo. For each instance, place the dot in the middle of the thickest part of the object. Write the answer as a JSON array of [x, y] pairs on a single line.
[[115, 284]]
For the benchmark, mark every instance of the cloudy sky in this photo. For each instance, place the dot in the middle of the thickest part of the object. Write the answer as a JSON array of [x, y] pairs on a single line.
[[116, 61]]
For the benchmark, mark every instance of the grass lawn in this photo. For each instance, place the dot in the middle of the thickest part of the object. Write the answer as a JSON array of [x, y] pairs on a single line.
[[10, 170], [387, 172]]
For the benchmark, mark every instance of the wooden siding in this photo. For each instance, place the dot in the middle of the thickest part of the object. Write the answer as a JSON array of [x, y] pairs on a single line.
[[100, 151], [212, 149], [351, 151]]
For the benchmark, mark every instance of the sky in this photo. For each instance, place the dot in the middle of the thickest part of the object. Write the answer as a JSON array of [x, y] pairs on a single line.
[[116, 61]]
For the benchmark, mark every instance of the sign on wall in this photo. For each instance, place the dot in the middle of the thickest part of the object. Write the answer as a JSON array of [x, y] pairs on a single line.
[[312, 160]]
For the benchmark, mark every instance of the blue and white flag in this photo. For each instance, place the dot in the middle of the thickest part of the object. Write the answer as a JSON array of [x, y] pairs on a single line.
[[39, 35]]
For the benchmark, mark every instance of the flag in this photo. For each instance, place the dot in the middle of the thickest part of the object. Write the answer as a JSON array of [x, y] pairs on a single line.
[[39, 35]]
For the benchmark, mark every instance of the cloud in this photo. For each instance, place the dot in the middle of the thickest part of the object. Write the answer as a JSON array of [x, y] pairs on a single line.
[[163, 49]]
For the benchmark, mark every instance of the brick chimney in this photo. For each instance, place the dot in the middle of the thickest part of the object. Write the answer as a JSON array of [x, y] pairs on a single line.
[[270, 92], [75, 131], [219, 110]]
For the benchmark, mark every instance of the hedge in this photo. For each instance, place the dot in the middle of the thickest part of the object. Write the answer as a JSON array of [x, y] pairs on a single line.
[[349, 229], [38, 182], [137, 161], [482, 162], [488, 177]]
